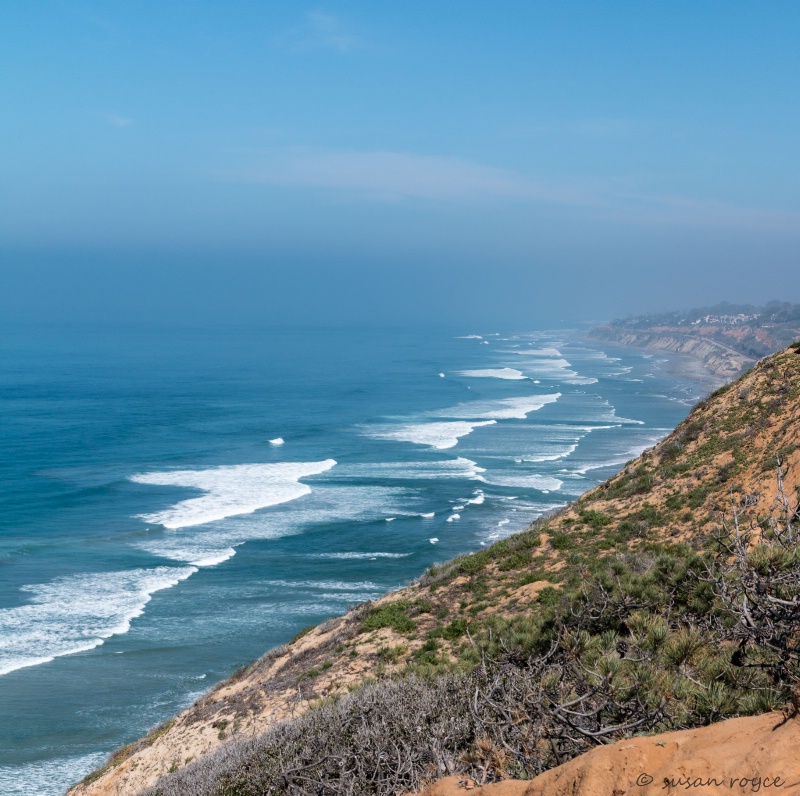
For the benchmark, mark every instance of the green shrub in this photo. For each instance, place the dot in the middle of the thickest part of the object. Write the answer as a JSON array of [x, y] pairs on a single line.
[[517, 560], [474, 563], [595, 519], [394, 615], [562, 541]]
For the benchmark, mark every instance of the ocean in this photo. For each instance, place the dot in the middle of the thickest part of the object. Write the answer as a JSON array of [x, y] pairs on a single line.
[[176, 502]]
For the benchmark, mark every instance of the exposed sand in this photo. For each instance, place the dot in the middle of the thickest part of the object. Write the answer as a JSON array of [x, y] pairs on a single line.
[[748, 755]]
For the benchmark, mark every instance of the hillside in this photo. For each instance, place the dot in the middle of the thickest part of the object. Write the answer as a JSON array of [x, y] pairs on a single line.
[[613, 617]]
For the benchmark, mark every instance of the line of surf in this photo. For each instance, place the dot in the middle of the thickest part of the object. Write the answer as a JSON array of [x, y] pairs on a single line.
[[230, 490], [76, 613]]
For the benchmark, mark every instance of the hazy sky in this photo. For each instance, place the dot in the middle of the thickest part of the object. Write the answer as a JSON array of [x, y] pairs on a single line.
[[513, 163]]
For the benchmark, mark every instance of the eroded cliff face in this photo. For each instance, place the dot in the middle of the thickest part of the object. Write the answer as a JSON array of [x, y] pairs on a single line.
[[715, 357], [725, 454]]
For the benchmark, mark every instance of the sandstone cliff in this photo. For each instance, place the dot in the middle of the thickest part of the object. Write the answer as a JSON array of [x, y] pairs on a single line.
[[716, 357]]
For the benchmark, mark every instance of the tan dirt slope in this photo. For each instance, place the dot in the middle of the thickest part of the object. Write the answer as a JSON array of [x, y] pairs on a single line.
[[748, 755], [723, 457]]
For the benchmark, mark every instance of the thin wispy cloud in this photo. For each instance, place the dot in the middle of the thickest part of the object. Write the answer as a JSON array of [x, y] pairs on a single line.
[[321, 30], [331, 31], [384, 176], [392, 176], [599, 127], [115, 120]]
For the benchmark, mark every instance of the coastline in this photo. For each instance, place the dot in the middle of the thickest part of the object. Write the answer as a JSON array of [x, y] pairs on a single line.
[[373, 630], [242, 706], [715, 358]]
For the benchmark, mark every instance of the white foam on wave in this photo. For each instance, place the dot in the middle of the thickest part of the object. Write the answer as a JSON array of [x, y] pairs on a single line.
[[494, 373], [356, 555], [277, 441], [428, 515], [559, 370], [211, 559], [536, 444], [524, 514], [601, 465], [326, 585], [459, 467], [230, 490], [544, 483], [49, 777], [539, 352], [501, 409], [597, 412], [315, 594], [437, 435], [479, 498], [453, 517], [470, 337], [553, 457], [215, 542], [647, 441], [76, 613]]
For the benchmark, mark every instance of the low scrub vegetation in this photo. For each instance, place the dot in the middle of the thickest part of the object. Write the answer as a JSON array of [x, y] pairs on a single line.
[[659, 638]]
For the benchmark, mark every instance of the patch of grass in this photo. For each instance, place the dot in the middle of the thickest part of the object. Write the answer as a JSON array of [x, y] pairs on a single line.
[[698, 495], [220, 725], [595, 519], [562, 541], [548, 596], [517, 560], [392, 654], [394, 615], [474, 563], [675, 501], [533, 577], [455, 630]]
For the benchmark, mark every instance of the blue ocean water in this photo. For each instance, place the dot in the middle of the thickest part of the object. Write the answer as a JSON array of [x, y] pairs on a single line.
[[176, 502]]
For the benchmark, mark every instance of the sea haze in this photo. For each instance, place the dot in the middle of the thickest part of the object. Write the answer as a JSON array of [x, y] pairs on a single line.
[[176, 503]]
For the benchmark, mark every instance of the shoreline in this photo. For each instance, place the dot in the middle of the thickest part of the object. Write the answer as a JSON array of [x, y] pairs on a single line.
[[715, 358], [706, 370], [694, 368]]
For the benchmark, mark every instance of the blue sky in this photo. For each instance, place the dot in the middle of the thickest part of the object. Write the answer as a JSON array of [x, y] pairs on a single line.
[[517, 162]]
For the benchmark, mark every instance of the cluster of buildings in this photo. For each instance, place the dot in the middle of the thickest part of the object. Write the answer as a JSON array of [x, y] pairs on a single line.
[[725, 320]]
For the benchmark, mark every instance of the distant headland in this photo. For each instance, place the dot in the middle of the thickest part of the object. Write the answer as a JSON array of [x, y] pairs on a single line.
[[726, 338]]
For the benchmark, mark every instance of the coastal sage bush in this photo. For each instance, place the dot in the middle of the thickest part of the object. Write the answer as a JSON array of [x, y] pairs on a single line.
[[756, 577]]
